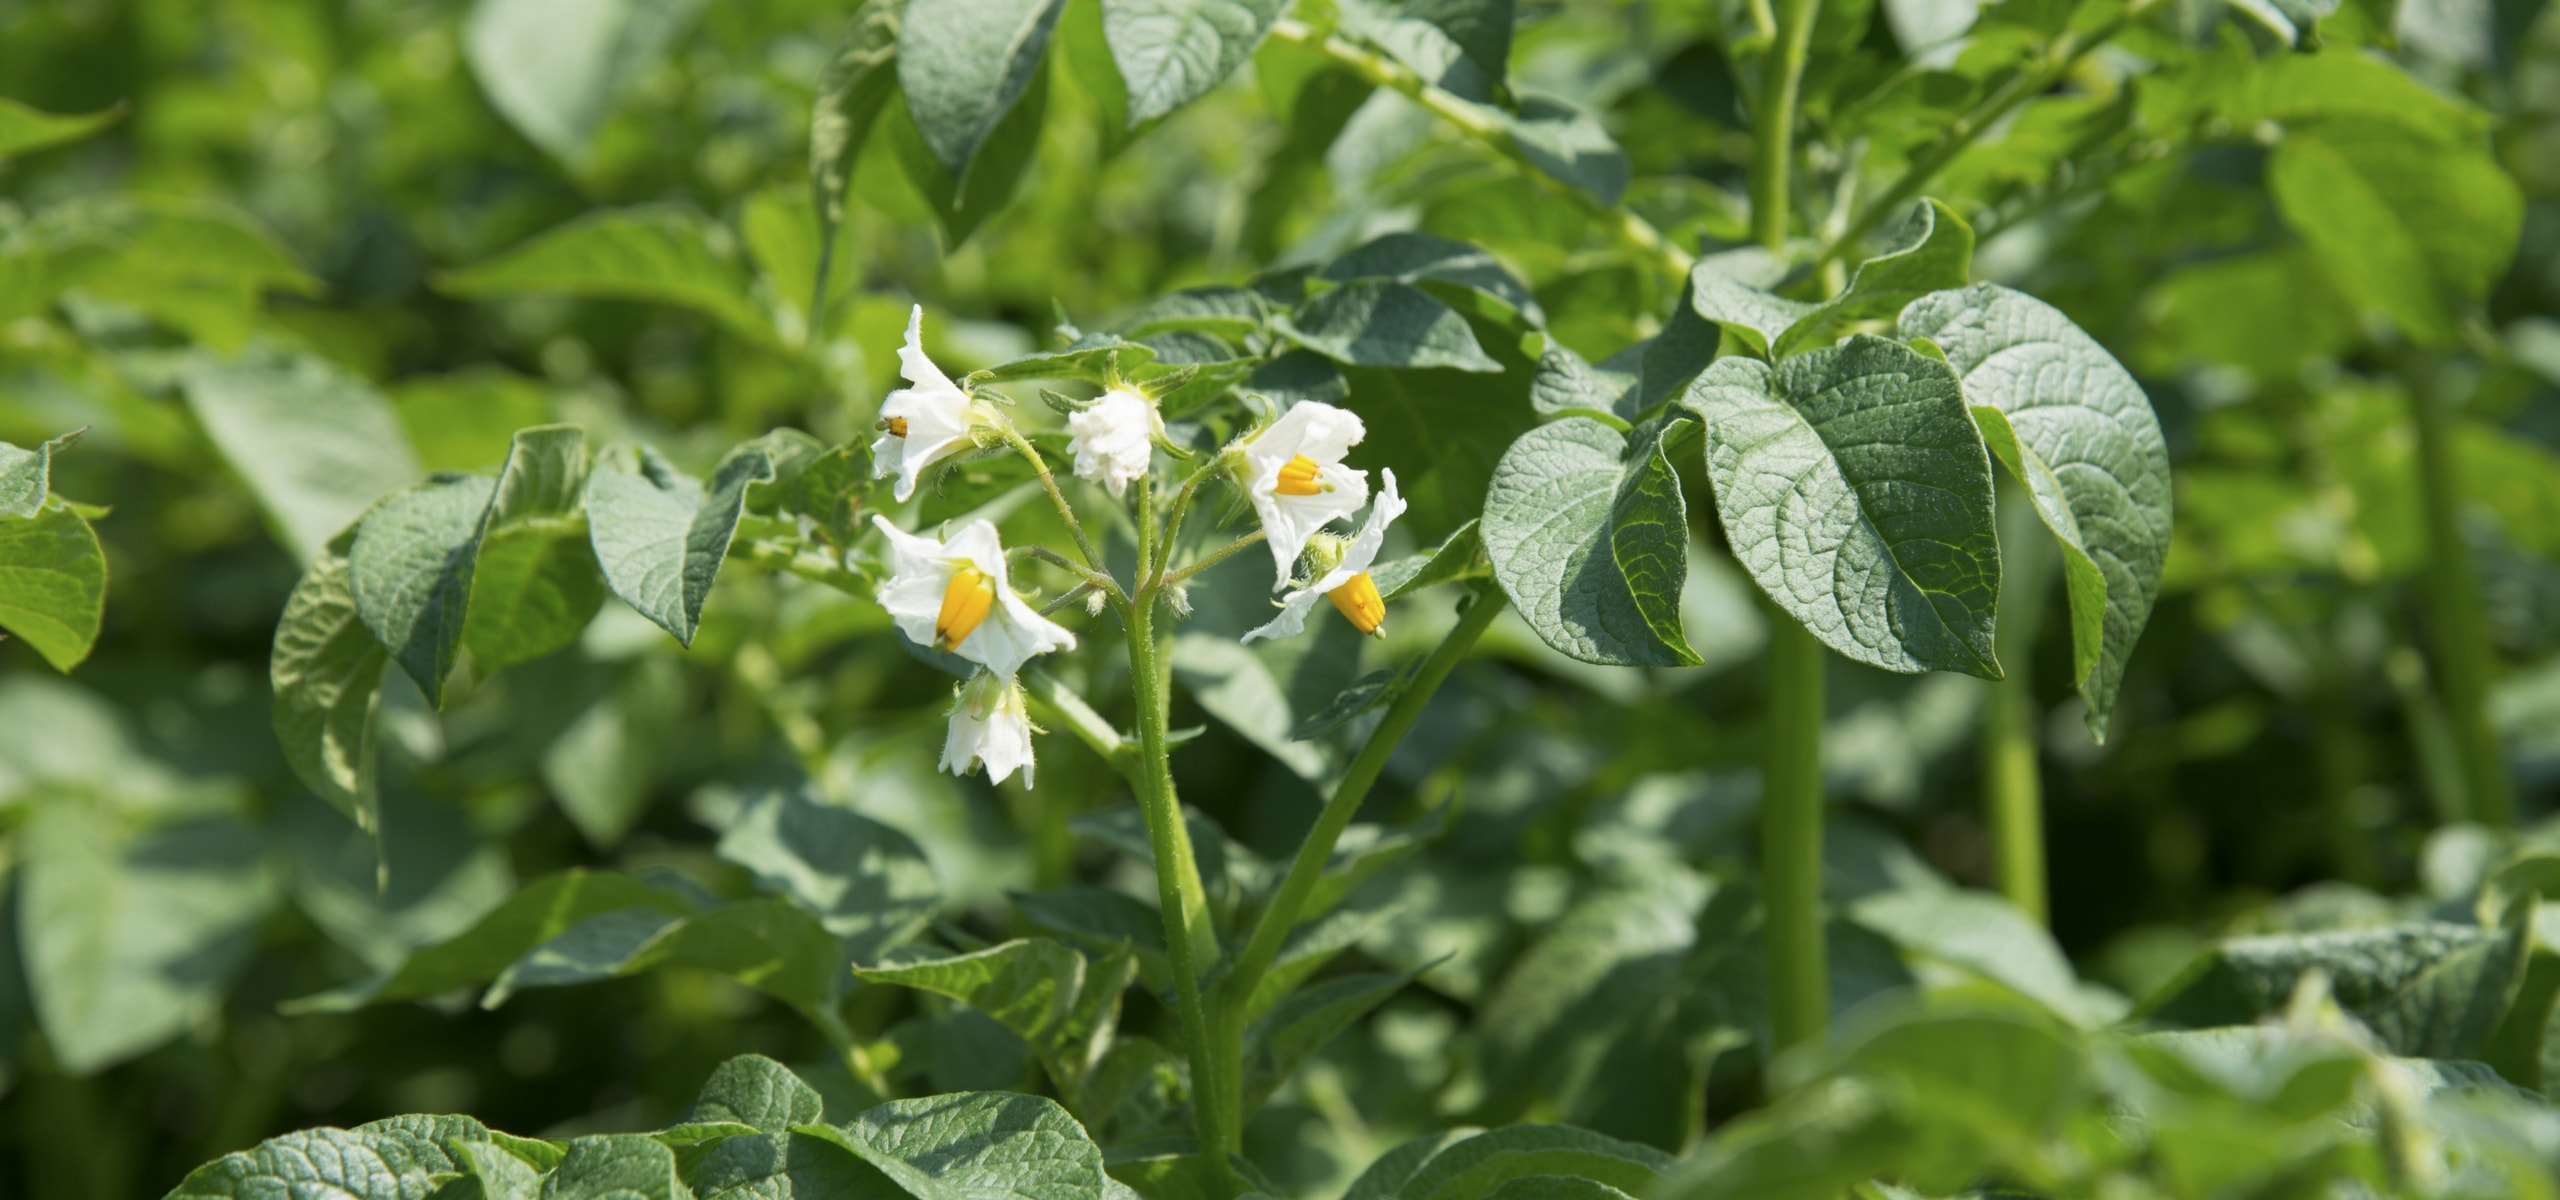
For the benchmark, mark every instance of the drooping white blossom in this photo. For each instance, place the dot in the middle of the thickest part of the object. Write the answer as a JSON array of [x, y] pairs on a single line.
[[1114, 440], [1296, 480], [1347, 583], [924, 423], [990, 727], [952, 595]]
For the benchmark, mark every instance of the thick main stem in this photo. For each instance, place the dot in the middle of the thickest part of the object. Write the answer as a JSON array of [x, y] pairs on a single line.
[[1190, 938], [2012, 784], [1791, 837], [2461, 634], [1791, 772]]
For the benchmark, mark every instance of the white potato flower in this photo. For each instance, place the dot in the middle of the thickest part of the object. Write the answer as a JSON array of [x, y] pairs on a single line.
[[1296, 480], [990, 727], [923, 424], [1347, 582], [951, 595], [1115, 438]]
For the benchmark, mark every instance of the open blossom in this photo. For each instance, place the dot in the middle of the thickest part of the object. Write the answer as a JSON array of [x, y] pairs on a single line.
[[990, 727], [951, 595], [1114, 439], [926, 423], [1296, 480], [1347, 583]]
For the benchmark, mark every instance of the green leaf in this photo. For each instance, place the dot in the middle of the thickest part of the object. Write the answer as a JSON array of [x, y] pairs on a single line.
[[974, 1145], [1462, 45], [24, 130], [754, 1090], [537, 913], [857, 84], [1320, 938], [501, 1176], [963, 67], [1727, 289], [1171, 52], [1458, 557], [2410, 228], [866, 882], [1587, 981], [26, 476], [53, 583], [1421, 257], [616, 1166], [196, 265], [1588, 534], [1470, 1169], [1983, 934], [1285, 1037], [962, 203], [661, 537], [322, 1162], [1853, 485], [768, 944], [1040, 989], [1934, 254], [1228, 312], [555, 69], [785, 1166], [1555, 1187], [325, 670], [130, 940], [411, 566], [1102, 921], [2070, 423], [315, 444], [1991, 1080], [661, 253], [466, 420], [1386, 324], [1566, 383], [533, 591], [1813, 1145], [1385, 1177], [2430, 990], [1570, 144]]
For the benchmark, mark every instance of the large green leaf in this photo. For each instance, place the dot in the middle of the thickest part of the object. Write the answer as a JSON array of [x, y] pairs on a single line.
[[534, 583], [616, 1166], [1588, 534], [411, 567], [1854, 487], [1284, 1038], [1419, 258], [663, 253], [1462, 45], [316, 444], [1983, 934], [331, 1163], [540, 911], [129, 940], [193, 264], [963, 202], [754, 1090], [1063, 1007], [2070, 423], [963, 67], [325, 669], [555, 68], [2431, 990], [1171, 52], [660, 536], [976, 1145], [1472, 1168], [1383, 323], [766, 943], [783, 1166], [1815, 1144], [1587, 983], [857, 84], [1933, 253], [24, 130], [53, 583], [2412, 228], [867, 883]]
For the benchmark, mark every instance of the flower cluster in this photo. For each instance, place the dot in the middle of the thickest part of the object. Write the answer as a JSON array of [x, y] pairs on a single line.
[[952, 594]]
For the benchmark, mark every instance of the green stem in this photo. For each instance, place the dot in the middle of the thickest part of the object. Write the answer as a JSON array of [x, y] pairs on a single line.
[[1791, 772], [1486, 124], [2463, 658], [1791, 836], [1280, 916], [1191, 940], [2012, 784], [1049, 483]]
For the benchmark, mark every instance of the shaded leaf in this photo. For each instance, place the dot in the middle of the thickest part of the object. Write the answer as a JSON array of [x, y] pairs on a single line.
[[1588, 534]]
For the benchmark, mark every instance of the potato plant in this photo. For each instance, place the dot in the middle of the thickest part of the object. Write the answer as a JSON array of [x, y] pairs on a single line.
[[1867, 598]]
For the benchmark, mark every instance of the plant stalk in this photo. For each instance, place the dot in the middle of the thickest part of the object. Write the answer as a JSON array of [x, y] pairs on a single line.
[[2012, 782], [2463, 659], [1191, 939], [1791, 771]]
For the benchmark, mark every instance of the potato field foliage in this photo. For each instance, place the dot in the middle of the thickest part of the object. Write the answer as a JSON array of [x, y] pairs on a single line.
[[1879, 599]]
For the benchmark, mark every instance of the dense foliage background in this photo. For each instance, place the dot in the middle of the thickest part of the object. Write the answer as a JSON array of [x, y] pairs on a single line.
[[309, 225]]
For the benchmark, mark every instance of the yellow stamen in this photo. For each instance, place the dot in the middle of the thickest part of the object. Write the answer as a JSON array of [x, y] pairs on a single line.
[[897, 426], [965, 603], [1298, 477], [1360, 602]]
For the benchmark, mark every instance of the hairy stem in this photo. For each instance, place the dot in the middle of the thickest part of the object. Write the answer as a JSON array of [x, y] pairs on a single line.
[[1280, 916], [2463, 659], [1048, 482], [1485, 124], [1791, 771], [1191, 940]]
